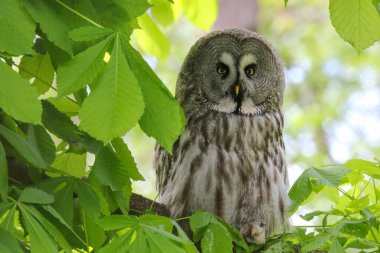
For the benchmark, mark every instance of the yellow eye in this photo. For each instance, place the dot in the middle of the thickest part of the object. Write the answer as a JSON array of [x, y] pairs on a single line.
[[221, 70], [250, 71]]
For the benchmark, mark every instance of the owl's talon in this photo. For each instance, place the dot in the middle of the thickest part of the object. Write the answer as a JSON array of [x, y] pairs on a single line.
[[254, 233]]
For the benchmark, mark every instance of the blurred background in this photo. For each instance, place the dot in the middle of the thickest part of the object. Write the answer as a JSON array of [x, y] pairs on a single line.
[[332, 98]]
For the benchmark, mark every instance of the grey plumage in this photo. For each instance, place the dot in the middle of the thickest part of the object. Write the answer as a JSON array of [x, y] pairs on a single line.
[[230, 159]]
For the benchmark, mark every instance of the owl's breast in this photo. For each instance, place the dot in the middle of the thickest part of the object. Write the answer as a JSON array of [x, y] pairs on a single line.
[[226, 163]]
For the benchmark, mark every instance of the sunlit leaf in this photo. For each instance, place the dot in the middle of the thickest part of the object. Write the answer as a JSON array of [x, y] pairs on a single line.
[[163, 12], [134, 8], [16, 29], [151, 39], [216, 240], [14, 88], [315, 244], [116, 222], [50, 23], [370, 168], [163, 118], [71, 163], [119, 95], [200, 13], [357, 22], [40, 68], [82, 69], [88, 33]]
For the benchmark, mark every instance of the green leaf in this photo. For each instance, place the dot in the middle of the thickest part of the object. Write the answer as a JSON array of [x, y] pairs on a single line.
[[330, 176], [95, 235], [8, 244], [110, 170], [201, 14], [16, 29], [126, 158], [40, 241], [134, 8], [119, 96], [216, 240], [61, 125], [88, 199], [300, 190], [286, 3], [317, 243], [302, 187], [370, 168], [34, 195], [310, 216], [200, 220], [151, 39], [82, 69], [8, 219], [116, 222], [40, 141], [161, 240], [38, 67], [71, 163], [3, 174], [50, 228], [162, 12], [88, 33], [357, 22], [163, 118], [23, 147], [361, 243], [122, 244], [50, 23], [14, 88]]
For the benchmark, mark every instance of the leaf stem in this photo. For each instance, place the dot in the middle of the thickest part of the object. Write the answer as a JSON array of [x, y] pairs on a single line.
[[79, 14], [345, 193], [182, 218]]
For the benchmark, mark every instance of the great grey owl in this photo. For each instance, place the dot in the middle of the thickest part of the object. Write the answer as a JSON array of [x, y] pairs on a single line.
[[230, 158]]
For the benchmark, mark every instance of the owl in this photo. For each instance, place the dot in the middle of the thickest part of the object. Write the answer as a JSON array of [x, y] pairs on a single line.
[[230, 158]]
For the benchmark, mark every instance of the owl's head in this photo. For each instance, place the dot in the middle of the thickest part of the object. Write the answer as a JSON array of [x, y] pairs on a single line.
[[231, 71]]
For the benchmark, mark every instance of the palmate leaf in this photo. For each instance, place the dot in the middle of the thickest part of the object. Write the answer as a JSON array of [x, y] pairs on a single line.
[[200, 13], [151, 39], [40, 240], [88, 33], [126, 158], [49, 227], [72, 164], [40, 140], [370, 168], [34, 195], [3, 174], [14, 88], [143, 235], [50, 23], [215, 240], [134, 8], [163, 118], [110, 170], [8, 244], [39, 67], [115, 103], [16, 29], [82, 69], [302, 188], [23, 147], [356, 21]]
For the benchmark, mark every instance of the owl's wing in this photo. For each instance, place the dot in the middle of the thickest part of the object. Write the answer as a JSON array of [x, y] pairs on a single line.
[[163, 165]]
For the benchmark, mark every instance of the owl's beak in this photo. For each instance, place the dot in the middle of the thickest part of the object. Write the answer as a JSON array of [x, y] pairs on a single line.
[[237, 89]]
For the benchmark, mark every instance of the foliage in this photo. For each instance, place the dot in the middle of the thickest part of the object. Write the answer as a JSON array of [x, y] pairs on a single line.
[[72, 84]]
